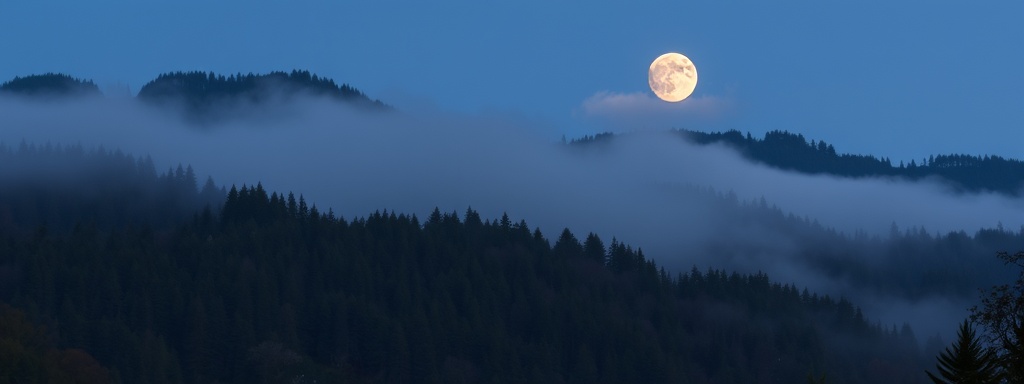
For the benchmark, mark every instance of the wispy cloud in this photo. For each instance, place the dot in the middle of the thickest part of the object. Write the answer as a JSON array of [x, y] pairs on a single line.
[[639, 111], [636, 188]]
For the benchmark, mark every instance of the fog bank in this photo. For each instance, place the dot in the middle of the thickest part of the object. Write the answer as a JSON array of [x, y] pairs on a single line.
[[645, 189]]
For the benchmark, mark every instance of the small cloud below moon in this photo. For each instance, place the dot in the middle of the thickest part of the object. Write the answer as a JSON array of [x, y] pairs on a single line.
[[640, 111]]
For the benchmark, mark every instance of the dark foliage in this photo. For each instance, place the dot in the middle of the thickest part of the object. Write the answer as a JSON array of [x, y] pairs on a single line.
[[910, 263], [791, 151], [27, 355], [204, 94], [55, 188], [275, 290], [49, 85], [271, 289], [969, 361], [596, 138], [1002, 314], [133, 269]]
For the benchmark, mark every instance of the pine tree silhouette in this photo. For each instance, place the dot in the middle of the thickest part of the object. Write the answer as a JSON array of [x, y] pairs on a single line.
[[967, 362]]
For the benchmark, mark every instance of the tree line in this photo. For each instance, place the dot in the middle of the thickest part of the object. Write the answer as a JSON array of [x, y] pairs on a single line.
[[791, 151], [205, 93], [49, 85], [260, 286], [201, 92]]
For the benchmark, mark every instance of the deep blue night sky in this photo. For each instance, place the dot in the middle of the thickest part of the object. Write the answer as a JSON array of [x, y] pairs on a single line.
[[896, 79]]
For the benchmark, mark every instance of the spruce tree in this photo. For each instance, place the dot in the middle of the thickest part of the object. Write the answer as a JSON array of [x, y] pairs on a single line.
[[967, 362]]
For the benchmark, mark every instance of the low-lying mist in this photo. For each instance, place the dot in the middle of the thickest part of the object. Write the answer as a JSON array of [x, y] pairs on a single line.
[[684, 205]]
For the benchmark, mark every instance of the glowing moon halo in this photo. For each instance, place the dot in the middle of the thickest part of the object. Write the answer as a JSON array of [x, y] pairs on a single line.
[[672, 77]]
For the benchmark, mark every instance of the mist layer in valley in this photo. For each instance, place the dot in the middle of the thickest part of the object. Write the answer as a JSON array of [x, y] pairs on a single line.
[[884, 243]]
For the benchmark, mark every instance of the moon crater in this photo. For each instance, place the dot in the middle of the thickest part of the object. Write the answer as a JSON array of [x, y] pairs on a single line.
[[672, 77]]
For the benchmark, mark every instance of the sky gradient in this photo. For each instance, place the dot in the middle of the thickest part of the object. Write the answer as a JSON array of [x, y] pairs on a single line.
[[895, 79]]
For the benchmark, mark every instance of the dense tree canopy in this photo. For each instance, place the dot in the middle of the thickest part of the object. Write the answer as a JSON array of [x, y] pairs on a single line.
[[206, 94], [792, 152], [264, 287], [27, 355], [49, 85], [274, 290], [58, 187]]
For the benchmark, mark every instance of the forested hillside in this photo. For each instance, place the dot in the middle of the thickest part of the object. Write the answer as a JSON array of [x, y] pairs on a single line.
[[56, 187], [28, 355], [267, 288], [204, 95], [791, 151], [906, 262], [49, 85]]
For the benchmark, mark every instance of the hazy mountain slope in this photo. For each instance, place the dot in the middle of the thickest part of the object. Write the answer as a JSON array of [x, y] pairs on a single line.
[[207, 96], [271, 289], [49, 85], [56, 187], [792, 152]]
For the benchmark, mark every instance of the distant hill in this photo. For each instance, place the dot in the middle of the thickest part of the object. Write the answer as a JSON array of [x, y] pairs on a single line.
[[791, 151], [49, 85], [203, 93]]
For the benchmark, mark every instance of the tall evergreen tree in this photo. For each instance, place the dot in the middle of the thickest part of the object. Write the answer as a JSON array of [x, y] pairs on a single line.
[[593, 248], [968, 362]]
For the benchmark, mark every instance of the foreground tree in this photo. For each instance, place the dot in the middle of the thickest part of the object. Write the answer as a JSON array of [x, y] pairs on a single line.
[[967, 362], [1002, 315]]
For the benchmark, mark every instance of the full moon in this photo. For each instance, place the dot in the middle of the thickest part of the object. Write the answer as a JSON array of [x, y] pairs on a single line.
[[672, 77]]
